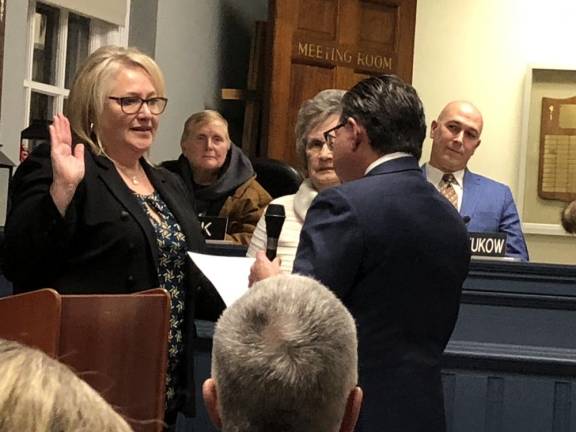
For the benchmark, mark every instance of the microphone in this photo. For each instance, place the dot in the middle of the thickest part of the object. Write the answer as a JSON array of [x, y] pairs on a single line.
[[274, 220], [466, 219]]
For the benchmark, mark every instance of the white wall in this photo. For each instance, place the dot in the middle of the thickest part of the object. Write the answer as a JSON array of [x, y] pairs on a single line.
[[142, 33], [12, 120], [479, 50], [12, 114], [201, 46], [187, 50]]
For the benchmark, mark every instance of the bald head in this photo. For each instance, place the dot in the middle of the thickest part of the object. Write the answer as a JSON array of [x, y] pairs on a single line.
[[455, 136], [463, 108]]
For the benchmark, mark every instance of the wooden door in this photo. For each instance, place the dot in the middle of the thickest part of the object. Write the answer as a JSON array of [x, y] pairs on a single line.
[[320, 44]]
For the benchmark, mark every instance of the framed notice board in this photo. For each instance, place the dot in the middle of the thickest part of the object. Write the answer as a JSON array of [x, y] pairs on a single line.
[[557, 167], [547, 177]]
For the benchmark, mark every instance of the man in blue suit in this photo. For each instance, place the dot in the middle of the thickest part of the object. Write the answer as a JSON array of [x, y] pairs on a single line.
[[394, 251], [487, 205]]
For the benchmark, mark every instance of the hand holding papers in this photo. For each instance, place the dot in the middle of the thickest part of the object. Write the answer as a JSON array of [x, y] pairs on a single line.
[[229, 275]]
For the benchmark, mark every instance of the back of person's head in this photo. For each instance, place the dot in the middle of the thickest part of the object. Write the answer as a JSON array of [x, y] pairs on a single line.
[[92, 85], [568, 218], [312, 113], [285, 359], [201, 118], [39, 394], [391, 112]]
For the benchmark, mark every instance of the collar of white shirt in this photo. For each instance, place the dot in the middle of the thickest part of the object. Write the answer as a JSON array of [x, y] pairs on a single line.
[[434, 176], [386, 158]]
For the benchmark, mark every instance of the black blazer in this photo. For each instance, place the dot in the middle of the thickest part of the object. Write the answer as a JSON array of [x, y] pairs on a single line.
[[104, 243]]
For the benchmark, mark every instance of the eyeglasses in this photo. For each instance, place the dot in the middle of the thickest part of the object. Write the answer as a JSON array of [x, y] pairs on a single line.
[[315, 146], [329, 137], [133, 104]]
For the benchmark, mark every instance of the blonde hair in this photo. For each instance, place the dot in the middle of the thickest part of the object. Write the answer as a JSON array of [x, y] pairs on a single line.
[[92, 84], [39, 394], [201, 118]]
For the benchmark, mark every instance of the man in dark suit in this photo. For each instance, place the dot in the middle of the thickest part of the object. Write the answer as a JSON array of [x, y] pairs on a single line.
[[487, 204], [393, 249]]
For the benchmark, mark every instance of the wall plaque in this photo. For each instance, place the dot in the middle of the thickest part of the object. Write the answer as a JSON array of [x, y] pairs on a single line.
[[557, 167]]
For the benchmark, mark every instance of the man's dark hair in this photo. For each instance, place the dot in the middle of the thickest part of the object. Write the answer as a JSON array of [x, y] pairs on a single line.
[[391, 112]]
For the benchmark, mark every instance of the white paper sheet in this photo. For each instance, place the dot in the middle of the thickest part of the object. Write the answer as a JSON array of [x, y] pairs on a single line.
[[229, 275]]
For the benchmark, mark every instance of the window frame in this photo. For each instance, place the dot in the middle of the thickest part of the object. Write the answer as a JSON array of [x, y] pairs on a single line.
[[101, 33]]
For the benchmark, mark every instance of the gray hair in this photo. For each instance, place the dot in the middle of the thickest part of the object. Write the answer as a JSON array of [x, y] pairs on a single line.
[[284, 358], [39, 394], [313, 112], [200, 119]]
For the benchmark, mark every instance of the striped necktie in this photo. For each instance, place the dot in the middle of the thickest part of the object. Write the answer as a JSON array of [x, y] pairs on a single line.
[[447, 189]]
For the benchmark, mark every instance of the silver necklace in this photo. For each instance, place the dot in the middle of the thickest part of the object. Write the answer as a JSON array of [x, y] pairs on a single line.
[[122, 170]]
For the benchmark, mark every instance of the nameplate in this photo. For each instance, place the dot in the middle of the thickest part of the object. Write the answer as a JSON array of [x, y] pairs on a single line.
[[213, 227], [488, 244], [323, 52]]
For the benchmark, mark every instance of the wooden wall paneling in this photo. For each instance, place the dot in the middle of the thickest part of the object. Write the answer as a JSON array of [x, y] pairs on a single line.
[[405, 41], [255, 87], [282, 15], [307, 80], [511, 362], [320, 44]]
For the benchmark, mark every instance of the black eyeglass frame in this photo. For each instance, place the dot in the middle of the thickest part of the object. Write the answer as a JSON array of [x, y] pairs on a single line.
[[329, 139], [121, 102]]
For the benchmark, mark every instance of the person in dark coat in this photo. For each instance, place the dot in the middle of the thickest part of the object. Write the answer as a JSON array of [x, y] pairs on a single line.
[[393, 249], [90, 215]]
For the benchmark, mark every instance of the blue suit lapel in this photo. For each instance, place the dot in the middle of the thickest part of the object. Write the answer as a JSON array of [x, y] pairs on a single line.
[[471, 194]]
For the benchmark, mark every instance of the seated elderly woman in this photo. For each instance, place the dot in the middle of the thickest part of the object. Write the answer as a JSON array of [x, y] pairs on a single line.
[[316, 116], [219, 175], [39, 394]]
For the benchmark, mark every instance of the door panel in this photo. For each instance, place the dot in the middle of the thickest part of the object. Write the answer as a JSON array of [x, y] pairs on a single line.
[[320, 44]]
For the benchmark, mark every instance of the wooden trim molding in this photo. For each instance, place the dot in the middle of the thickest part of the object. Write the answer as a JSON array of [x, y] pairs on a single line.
[[533, 360]]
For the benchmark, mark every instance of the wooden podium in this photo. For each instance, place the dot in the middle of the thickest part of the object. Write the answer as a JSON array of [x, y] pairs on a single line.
[[116, 343]]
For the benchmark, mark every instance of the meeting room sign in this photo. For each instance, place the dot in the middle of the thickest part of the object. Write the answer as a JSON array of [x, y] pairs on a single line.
[[343, 55]]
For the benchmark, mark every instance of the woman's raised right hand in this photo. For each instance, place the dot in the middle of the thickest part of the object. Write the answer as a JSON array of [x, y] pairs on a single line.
[[67, 163]]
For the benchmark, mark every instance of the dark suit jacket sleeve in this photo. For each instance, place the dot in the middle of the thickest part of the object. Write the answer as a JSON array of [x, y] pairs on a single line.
[[331, 243], [510, 224], [36, 235]]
